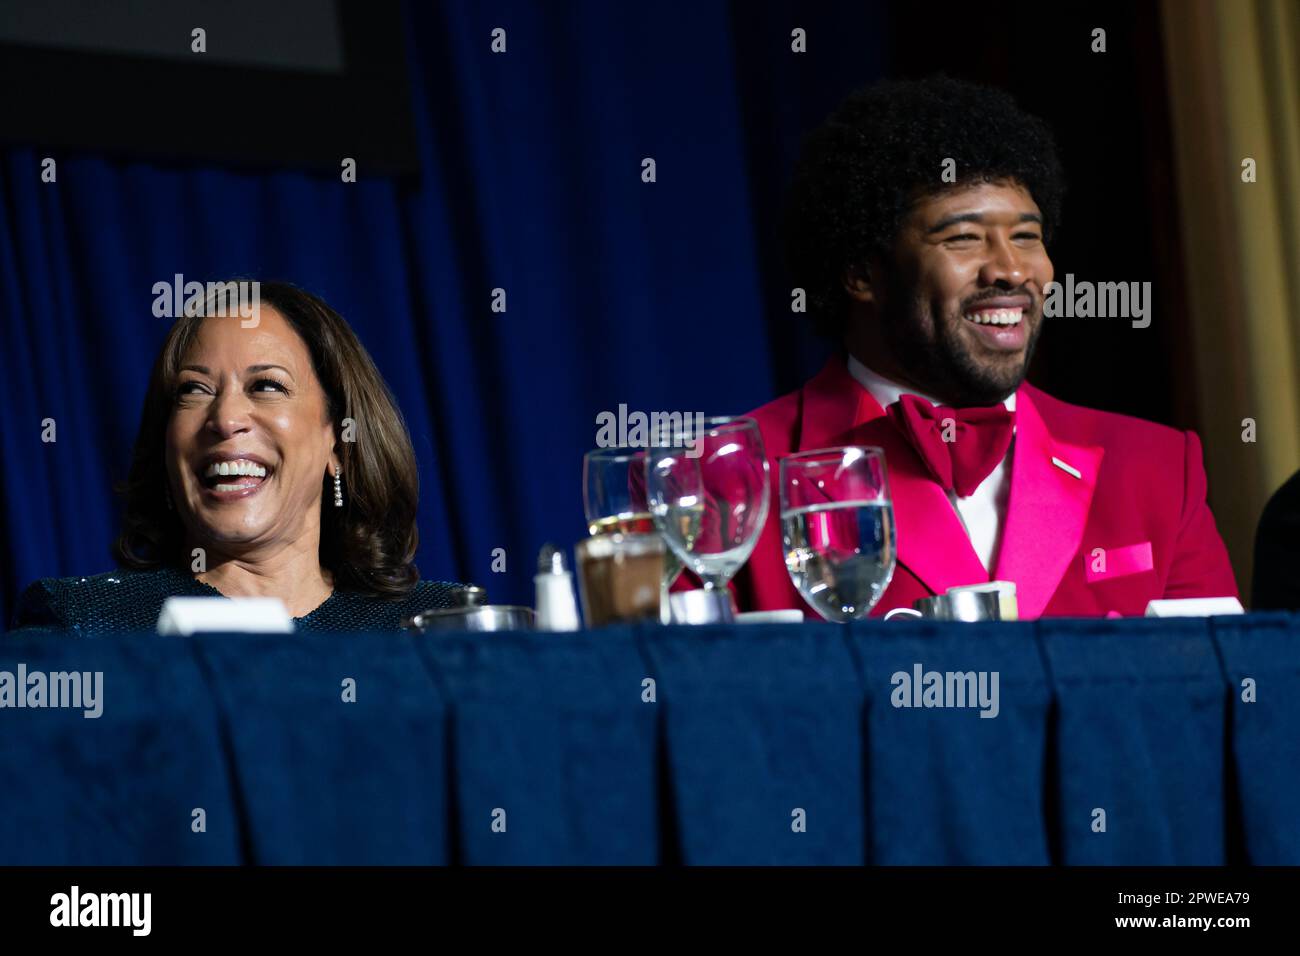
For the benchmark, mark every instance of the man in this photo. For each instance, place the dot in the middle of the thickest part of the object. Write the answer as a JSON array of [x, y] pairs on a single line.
[[934, 287], [1277, 551]]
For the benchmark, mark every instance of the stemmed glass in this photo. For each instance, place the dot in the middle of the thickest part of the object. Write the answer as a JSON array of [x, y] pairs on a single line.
[[708, 489], [837, 524]]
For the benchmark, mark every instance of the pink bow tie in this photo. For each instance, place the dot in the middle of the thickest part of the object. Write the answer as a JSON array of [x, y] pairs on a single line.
[[960, 446]]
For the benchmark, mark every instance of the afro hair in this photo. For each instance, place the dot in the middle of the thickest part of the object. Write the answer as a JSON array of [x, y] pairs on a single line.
[[882, 150]]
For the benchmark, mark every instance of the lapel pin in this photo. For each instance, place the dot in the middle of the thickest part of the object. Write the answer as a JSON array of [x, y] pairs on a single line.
[[1068, 469]]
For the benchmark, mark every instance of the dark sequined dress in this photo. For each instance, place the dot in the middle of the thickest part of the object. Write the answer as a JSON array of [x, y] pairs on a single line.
[[122, 601]]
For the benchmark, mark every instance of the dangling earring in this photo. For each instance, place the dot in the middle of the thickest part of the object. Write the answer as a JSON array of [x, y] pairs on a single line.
[[338, 488], [170, 506]]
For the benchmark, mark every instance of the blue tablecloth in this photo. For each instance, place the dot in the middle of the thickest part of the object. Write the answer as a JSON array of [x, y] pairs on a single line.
[[1114, 742]]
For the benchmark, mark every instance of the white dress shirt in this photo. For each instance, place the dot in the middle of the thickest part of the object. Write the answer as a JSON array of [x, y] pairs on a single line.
[[982, 513]]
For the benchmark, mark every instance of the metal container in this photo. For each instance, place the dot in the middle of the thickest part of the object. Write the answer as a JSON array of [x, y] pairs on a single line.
[[995, 601], [962, 606], [700, 606], [473, 613]]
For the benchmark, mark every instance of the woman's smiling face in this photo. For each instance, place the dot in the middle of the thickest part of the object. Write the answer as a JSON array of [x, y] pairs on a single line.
[[250, 438]]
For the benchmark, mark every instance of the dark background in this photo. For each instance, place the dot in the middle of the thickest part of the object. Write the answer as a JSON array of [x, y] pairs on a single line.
[[519, 171]]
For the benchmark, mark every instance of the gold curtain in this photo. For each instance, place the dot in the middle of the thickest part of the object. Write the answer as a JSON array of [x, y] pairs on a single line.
[[1234, 82]]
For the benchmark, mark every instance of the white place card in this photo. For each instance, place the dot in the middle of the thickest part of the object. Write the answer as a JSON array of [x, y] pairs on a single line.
[[1194, 607], [193, 615]]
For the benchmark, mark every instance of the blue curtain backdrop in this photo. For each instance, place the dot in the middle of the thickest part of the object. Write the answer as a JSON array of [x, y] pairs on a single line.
[[663, 296]]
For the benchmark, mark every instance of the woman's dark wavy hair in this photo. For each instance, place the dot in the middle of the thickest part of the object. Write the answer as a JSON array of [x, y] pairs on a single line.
[[882, 150], [369, 543]]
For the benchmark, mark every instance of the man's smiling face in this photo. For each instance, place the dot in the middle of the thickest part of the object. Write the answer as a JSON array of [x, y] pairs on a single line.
[[960, 305]]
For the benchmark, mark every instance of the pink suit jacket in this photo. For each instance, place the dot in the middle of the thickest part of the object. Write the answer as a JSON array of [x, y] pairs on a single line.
[[1133, 526]]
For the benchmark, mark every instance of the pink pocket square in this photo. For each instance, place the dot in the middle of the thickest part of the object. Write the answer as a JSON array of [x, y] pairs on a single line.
[[1103, 564]]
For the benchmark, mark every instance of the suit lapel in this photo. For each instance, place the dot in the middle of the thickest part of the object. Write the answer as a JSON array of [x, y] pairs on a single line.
[[833, 402], [932, 542], [1047, 509]]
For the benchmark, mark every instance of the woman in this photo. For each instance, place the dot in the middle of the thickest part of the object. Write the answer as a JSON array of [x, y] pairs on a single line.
[[271, 461]]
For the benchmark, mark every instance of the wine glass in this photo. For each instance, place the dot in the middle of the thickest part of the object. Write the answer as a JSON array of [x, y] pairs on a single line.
[[837, 524], [708, 489], [614, 498]]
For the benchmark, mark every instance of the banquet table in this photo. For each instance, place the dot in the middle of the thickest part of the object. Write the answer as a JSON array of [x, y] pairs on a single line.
[[1142, 741]]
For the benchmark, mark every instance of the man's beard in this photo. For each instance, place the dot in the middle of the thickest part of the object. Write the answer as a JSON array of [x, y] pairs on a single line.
[[946, 369]]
